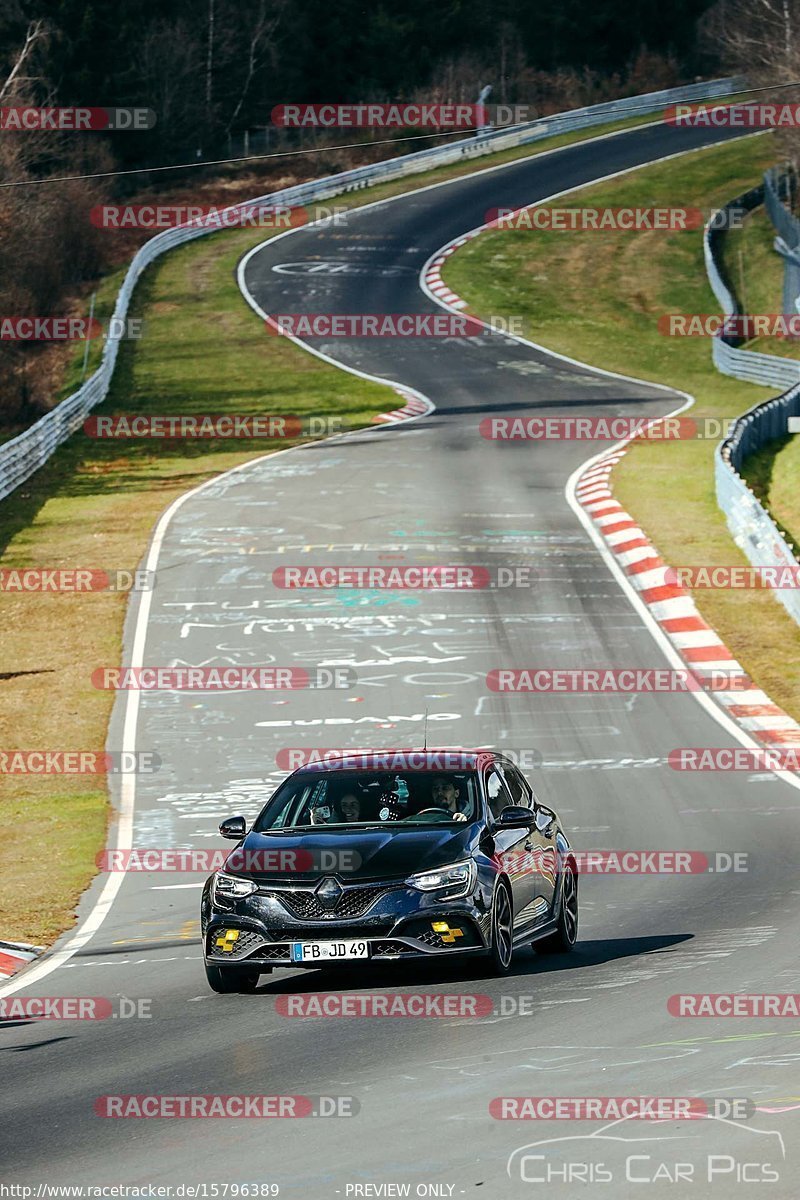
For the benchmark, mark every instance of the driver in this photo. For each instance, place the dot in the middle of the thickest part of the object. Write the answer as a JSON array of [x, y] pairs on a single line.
[[445, 794]]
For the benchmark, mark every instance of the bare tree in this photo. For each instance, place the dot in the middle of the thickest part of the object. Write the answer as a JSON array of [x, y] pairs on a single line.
[[262, 22], [760, 38], [36, 33], [48, 245]]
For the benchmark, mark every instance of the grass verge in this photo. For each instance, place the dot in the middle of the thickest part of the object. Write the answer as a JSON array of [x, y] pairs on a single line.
[[632, 278]]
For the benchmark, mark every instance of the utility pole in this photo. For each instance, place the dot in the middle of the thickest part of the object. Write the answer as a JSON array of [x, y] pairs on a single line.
[[483, 95]]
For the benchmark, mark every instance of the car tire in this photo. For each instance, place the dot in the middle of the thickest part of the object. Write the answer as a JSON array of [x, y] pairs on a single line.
[[501, 948], [227, 981], [566, 933]]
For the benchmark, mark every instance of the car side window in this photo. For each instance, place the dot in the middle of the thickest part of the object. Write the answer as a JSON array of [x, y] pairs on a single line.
[[517, 786], [497, 793]]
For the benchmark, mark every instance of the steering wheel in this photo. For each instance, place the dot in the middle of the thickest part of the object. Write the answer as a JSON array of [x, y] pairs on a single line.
[[436, 814]]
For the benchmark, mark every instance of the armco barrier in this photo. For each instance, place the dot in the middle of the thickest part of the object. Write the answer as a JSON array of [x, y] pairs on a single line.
[[749, 365], [786, 224], [787, 227], [751, 526], [24, 454]]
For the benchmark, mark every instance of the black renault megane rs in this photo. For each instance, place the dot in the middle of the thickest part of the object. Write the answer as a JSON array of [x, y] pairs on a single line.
[[388, 856]]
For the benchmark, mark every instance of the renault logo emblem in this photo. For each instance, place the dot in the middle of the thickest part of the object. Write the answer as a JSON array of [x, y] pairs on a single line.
[[328, 892]]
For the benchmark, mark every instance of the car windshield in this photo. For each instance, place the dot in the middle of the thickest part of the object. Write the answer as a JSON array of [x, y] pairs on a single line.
[[341, 798]]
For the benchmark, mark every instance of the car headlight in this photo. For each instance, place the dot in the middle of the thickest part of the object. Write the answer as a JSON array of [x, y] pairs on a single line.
[[231, 887], [458, 879]]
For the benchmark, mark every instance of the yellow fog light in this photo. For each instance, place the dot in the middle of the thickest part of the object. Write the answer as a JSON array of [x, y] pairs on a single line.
[[447, 934], [226, 942]]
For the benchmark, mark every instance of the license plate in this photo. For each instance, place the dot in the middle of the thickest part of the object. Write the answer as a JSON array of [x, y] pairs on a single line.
[[323, 951]]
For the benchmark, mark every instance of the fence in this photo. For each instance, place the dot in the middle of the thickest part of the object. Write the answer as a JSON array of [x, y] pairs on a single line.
[[23, 455]]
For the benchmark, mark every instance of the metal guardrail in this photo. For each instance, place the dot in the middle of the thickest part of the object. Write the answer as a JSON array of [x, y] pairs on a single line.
[[752, 366], [786, 224], [751, 526], [728, 357], [787, 227], [23, 455]]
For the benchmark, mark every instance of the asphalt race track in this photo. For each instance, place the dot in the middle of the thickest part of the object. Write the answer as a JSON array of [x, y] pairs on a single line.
[[591, 1024]]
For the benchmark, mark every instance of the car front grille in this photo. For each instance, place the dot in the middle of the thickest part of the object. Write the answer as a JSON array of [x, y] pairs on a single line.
[[430, 938], [353, 902], [390, 949], [278, 953]]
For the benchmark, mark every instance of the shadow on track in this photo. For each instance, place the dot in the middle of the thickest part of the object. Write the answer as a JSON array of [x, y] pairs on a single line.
[[525, 964]]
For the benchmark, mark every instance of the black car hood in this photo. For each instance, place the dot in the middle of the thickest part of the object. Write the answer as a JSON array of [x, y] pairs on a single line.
[[369, 853]]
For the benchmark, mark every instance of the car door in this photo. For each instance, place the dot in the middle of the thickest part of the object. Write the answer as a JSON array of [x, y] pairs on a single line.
[[543, 837], [545, 841], [513, 848]]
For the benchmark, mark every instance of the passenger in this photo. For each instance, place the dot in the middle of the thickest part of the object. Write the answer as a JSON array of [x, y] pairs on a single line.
[[350, 807]]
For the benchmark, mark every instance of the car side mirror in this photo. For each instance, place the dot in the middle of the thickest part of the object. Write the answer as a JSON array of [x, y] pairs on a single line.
[[515, 816], [234, 828]]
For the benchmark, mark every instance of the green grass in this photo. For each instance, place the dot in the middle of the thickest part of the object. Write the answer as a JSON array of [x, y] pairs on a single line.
[[597, 297]]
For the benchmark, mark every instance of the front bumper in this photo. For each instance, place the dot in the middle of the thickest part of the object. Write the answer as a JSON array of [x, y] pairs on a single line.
[[399, 923]]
